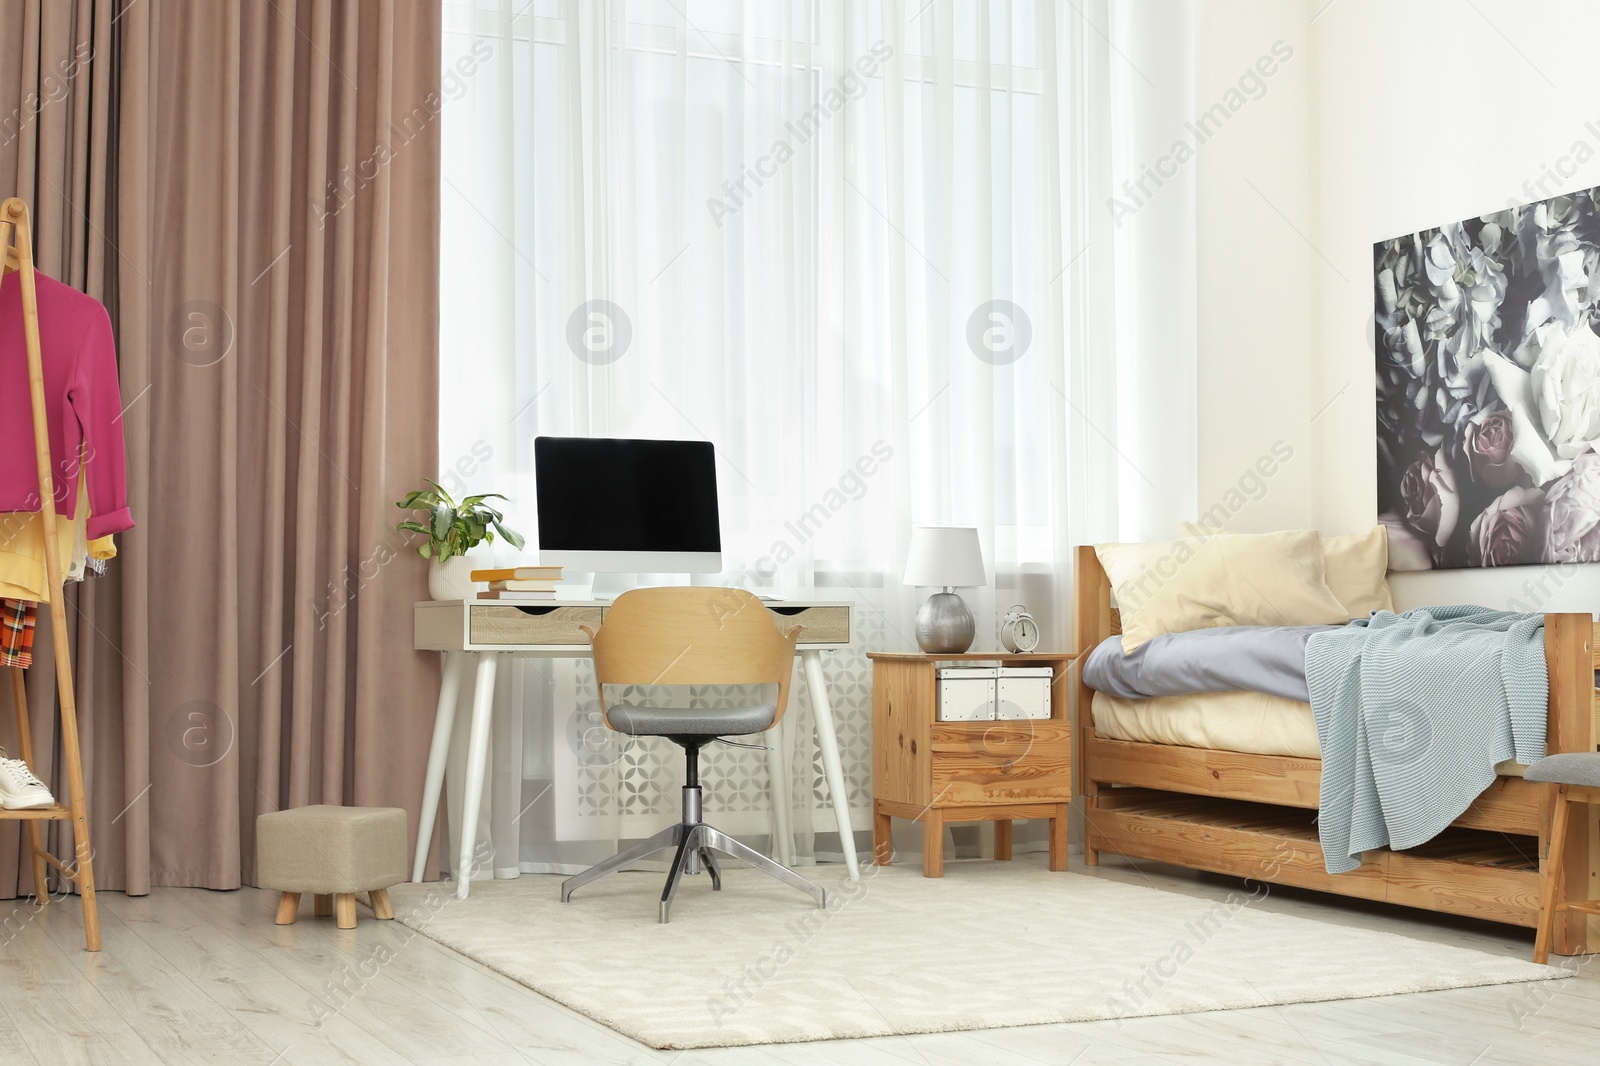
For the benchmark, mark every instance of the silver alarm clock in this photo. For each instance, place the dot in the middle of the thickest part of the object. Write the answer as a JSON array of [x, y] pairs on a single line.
[[1018, 631]]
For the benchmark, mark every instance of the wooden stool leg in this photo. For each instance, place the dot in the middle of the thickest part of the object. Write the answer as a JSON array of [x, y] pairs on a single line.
[[882, 837], [322, 904], [932, 843], [288, 908], [1002, 838], [381, 907], [1058, 837], [344, 910], [1550, 884]]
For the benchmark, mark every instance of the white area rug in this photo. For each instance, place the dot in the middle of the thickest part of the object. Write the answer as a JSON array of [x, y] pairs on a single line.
[[989, 945]]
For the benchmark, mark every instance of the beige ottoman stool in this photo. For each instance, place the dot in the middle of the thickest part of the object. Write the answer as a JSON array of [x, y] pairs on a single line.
[[333, 853]]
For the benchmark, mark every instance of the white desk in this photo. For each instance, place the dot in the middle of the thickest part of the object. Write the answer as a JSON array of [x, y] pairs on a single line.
[[488, 630]]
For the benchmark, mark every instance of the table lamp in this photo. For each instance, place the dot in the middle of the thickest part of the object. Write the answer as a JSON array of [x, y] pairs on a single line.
[[946, 557]]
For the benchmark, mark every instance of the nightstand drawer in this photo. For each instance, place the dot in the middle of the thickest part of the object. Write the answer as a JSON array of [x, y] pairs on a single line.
[[532, 624], [1009, 738], [978, 776]]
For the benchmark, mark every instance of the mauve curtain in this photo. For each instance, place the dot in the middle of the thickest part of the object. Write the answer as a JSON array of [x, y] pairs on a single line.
[[252, 189]]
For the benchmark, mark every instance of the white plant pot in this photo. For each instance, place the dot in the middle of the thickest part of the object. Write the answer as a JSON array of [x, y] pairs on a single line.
[[450, 580]]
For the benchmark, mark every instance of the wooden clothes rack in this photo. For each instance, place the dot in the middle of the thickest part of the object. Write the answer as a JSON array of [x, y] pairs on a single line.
[[16, 237]]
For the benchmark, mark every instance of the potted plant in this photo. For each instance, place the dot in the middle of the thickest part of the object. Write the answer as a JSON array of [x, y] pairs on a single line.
[[452, 529]]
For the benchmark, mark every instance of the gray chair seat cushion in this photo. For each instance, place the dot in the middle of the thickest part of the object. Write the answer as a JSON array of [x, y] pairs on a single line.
[[1568, 768], [692, 721]]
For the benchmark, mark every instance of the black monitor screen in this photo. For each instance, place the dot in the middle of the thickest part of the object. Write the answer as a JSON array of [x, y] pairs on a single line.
[[607, 494]]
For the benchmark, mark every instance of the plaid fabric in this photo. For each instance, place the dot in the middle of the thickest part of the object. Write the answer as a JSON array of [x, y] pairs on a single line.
[[16, 632]]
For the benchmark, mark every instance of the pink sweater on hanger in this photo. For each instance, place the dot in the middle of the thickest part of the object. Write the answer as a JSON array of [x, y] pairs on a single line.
[[82, 398]]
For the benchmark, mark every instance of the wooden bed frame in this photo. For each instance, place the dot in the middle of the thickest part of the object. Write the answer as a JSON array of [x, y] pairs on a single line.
[[1253, 816]]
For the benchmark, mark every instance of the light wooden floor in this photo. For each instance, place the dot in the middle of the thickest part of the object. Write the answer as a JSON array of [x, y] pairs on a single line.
[[190, 976]]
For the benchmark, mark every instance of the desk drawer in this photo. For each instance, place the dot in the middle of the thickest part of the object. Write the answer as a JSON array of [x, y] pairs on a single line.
[[823, 625], [532, 624]]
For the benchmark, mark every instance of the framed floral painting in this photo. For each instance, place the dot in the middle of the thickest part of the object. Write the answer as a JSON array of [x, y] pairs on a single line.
[[1489, 388]]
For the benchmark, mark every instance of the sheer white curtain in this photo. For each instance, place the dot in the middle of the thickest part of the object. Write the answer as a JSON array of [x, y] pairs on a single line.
[[863, 248]]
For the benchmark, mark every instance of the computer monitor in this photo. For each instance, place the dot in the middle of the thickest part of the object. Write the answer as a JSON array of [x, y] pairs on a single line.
[[611, 505]]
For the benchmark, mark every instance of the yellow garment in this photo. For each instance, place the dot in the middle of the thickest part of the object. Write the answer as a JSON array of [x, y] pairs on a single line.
[[22, 570]]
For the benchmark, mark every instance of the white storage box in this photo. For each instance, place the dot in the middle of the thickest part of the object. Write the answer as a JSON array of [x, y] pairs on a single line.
[[1023, 692], [967, 693]]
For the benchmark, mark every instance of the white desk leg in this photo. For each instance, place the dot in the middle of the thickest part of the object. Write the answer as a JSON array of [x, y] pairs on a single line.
[[505, 780], [778, 772], [477, 766], [828, 742], [444, 719]]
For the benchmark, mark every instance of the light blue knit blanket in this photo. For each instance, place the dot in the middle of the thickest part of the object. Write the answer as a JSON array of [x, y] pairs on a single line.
[[1413, 712]]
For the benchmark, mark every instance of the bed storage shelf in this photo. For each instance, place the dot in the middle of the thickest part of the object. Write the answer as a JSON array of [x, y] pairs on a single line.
[[1463, 871], [1253, 816]]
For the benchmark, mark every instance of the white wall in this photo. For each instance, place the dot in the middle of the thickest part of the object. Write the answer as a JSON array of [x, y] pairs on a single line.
[[1390, 117], [1255, 275], [1154, 232]]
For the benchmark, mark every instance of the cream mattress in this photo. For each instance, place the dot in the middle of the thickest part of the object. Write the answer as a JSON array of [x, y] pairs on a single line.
[[1252, 722]]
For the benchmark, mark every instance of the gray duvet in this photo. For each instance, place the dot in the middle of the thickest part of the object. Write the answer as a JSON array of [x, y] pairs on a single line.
[[1270, 659]]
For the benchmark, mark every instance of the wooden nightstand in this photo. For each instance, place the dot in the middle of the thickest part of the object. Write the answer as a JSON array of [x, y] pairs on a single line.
[[937, 772]]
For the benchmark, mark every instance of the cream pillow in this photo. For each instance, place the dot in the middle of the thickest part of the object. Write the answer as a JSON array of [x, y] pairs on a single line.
[[1222, 579], [1355, 567], [1356, 564]]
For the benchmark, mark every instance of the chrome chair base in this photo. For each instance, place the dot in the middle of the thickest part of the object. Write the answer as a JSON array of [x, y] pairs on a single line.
[[696, 844]]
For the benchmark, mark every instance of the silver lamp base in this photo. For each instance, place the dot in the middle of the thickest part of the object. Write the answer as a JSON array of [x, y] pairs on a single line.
[[945, 625]]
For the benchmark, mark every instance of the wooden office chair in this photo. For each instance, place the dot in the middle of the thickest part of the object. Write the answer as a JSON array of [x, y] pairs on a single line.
[[692, 636], [1573, 777]]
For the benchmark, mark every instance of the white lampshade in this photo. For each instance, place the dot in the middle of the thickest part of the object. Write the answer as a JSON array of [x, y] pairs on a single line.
[[946, 557]]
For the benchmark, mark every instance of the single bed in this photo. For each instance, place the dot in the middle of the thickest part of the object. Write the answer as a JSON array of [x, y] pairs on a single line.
[[1149, 790]]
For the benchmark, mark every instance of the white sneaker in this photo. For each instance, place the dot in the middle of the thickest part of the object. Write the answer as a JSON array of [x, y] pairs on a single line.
[[20, 790]]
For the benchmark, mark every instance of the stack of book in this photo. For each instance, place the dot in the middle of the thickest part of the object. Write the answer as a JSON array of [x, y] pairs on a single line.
[[519, 584]]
